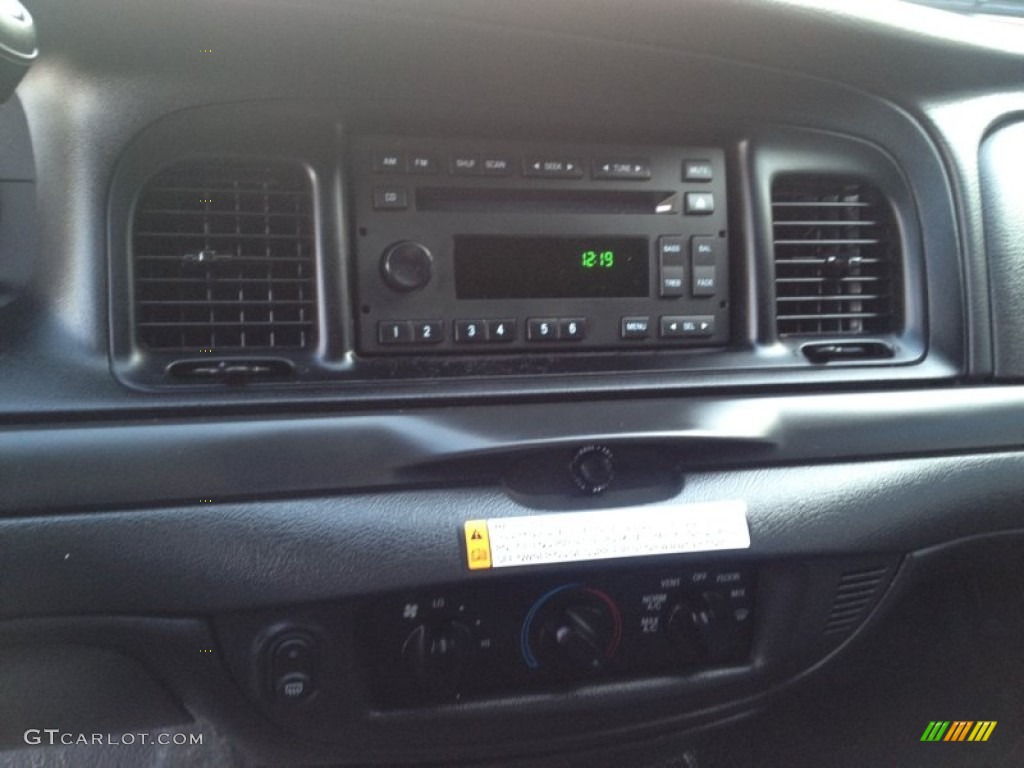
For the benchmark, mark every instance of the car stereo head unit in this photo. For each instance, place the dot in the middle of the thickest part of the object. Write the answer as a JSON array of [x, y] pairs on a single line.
[[481, 247]]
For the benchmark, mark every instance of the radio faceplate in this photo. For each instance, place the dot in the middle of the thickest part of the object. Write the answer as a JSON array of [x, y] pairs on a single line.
[[485, 247]]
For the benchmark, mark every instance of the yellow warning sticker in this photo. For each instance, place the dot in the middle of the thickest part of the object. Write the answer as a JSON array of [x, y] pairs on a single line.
[[645, 531], [478, 545]]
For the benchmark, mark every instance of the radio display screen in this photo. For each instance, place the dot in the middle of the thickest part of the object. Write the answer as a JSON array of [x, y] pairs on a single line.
[[501, 267]]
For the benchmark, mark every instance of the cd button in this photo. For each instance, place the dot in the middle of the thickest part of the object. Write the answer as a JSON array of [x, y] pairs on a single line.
[[572, 328], [542, 329], [390, 198], [428, 331], [636, 327], [394, 332], [470, 331], [501, 330]]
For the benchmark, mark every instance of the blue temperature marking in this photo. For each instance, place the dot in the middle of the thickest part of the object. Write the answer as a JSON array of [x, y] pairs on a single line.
[[524, 636]]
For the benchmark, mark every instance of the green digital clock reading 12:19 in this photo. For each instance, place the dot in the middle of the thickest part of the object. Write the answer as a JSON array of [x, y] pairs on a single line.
[[551, 266], [597, 259]]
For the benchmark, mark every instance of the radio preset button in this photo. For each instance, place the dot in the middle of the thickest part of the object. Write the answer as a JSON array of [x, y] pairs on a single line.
[[572, 328], [697, 170], [390, 198], [422, 163], [494, 165], [636, 327], [394, 332], [637, 169], [465, 165], [678, 327], [427, 331], [542, 329], [388, 162], [552, 167], [470, 331], [699, 203], [501, 330], [406, 266]]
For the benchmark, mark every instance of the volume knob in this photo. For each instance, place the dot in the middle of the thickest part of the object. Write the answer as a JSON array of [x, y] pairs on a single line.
[[406, 266]]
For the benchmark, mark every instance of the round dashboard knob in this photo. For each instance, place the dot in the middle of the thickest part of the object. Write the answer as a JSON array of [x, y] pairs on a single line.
[[406, 266], [438, 656], [593, 468], [575, 630]]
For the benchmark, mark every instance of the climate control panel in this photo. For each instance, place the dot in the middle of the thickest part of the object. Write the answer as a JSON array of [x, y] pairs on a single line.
[[540, 633]]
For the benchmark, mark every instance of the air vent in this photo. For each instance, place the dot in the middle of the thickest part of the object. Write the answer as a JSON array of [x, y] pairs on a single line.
[[224, 259], [855, 593], [837, 259]]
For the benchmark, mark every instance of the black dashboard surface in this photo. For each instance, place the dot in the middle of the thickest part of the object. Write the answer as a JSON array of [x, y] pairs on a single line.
[[143, 519]]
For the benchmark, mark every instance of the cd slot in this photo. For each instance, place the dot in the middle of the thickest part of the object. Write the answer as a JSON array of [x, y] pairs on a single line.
[[547, 201]]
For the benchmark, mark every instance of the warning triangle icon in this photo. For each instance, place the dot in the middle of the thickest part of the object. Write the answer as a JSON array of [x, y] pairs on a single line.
[[476, 536]]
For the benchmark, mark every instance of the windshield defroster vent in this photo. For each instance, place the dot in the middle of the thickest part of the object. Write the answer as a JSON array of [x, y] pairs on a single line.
[[224, 259], [837, 258]]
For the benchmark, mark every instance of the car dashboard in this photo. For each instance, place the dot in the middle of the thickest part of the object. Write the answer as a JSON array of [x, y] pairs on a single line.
[[566, 383]]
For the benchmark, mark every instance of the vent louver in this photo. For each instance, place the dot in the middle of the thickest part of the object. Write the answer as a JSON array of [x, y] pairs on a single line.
[[224, 258], [855, 593], [837, 258]]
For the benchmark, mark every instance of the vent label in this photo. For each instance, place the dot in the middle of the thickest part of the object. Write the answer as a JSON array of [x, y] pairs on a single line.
[[644, 531]]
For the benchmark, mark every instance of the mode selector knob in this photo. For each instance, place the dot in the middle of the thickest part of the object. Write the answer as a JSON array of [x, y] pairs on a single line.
[[406, 266], [698, 631], [438, 656]]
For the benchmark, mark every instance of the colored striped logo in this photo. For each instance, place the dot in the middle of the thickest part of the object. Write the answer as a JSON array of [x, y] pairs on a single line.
[[958, 730]]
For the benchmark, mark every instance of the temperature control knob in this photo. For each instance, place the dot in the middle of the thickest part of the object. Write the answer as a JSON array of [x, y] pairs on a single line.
[[406, 266], [573, 629], [438, 656]]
